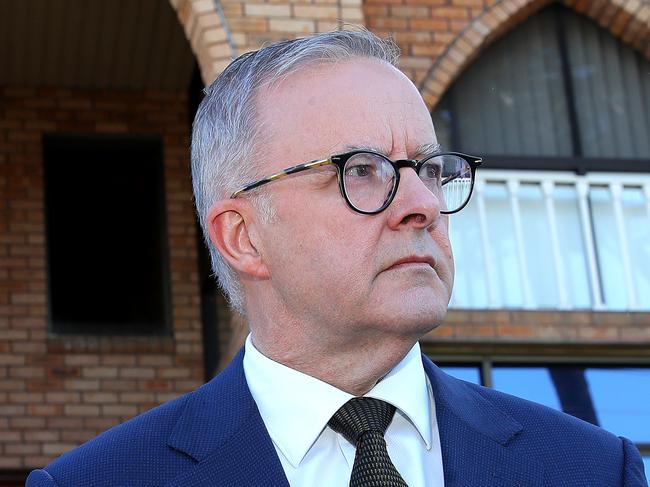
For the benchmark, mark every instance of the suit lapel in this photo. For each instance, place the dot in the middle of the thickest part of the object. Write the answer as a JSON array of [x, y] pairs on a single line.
[[222, 430], [475, 436]]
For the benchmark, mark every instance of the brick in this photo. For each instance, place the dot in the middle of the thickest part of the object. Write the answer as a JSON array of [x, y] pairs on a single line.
[[82, 359], [26, 372], [352, 14], [65, 423], [244, 24], [99, 372], [137, 397], [173, 373], [82, 384], [81, 410], [429, 24], [28, 348], [27, 422], [62, 397], [292, 25], [389, 23], [56, 449], [12, 385], [408, 11], [26, 397], [100, 397], [45, 409], [156, 360], [137, 373], [11, 462], [7, 359], [10, 436], [12, 409], [210, 36], [122, 410], [22, 448], [41, 436], [315, 12], [267, 10], [118, 384]]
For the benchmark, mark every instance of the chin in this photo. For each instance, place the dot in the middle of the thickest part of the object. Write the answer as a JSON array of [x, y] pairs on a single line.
[[412, 321]]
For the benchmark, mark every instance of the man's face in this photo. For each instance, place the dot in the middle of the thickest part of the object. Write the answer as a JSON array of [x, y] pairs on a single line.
[[344, 274]]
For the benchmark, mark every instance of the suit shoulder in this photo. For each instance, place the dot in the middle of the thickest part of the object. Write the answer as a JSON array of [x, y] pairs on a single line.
[[136, 449]]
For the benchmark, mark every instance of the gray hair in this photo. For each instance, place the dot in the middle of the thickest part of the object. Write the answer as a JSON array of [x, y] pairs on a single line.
[[225, 133]]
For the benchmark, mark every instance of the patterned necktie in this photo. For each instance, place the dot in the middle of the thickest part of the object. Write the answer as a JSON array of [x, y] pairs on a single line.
[[363, 422]]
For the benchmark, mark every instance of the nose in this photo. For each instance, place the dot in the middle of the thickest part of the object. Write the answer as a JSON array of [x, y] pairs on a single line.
[[414, 204]]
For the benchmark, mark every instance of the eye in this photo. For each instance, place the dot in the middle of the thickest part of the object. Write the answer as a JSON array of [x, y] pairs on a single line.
[[359, 170], [362, 165], [430, 170]]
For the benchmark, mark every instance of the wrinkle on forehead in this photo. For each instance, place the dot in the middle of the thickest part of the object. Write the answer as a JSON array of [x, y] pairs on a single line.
[[377, 108]]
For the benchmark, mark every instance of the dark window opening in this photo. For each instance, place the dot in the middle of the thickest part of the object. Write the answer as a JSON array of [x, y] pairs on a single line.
[[558, 92], [106, 235]]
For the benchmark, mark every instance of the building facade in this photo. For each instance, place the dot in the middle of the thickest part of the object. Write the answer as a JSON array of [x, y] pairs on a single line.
[[107, 307]]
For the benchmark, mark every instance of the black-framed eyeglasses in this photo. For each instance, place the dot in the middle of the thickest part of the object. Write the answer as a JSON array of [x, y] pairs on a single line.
[[368, 180]]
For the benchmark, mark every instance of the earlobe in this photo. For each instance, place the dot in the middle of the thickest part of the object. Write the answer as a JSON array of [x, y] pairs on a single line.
[[230, 225]]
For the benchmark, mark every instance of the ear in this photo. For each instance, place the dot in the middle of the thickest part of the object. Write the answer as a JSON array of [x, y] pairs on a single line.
[[231, 223]]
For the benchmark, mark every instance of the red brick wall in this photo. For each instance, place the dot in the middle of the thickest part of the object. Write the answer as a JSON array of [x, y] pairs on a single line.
[[57, 392]]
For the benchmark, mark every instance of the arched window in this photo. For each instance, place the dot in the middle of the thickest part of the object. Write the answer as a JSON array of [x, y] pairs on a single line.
[[556, 87], [564, 100]]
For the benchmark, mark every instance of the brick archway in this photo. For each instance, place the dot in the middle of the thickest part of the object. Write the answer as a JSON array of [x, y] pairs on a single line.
[[206, 31], [629, 21], [221, 30]]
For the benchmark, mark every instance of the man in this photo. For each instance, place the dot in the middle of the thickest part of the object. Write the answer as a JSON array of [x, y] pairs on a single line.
[[324, 198]]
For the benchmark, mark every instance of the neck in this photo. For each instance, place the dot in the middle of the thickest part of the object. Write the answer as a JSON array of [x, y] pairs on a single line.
[[354, 369]]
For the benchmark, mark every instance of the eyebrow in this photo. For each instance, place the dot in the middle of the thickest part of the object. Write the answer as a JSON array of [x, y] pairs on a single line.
[[426, 149], [421, 150]]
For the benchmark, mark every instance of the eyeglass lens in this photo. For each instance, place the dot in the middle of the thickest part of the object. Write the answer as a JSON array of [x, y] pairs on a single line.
[[369, 180]]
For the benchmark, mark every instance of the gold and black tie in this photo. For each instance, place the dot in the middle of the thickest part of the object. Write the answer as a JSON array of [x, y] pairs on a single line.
[[363, 422]]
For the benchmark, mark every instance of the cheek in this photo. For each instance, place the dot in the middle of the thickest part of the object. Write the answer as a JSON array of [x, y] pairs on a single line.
[[446, 256]]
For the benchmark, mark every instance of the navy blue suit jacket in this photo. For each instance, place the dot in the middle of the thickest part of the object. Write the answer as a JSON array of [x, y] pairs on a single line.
[[215, 436]]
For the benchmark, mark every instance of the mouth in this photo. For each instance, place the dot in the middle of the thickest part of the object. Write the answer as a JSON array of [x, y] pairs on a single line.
[[415, 261]]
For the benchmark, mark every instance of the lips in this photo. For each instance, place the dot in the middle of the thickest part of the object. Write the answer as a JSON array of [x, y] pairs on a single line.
[[414, 259]]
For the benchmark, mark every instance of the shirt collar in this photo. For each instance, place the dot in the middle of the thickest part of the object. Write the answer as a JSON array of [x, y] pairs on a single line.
[[296, 407]]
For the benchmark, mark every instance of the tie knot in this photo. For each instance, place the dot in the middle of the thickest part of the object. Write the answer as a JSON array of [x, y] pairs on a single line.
[[360, 415]]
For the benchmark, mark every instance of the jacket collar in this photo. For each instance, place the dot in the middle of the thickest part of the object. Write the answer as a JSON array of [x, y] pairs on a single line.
[[477, 437], [218, 427], [221, 421]]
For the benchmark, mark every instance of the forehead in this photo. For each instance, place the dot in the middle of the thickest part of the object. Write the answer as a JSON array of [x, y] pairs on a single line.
[[324, 109]]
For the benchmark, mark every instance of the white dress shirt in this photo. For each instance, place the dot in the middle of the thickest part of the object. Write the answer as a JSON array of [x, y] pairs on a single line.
[[296, 407]]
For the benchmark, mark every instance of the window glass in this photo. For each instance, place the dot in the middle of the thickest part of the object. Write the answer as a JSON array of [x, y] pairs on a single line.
[[609, 89], [618, 399], [470, 281], [609, 248], [635, 218], [503, 246], [537, 242], [622, 401], [532, 383], [567, 214], [488, 111], [467, 373], [492, 112]]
